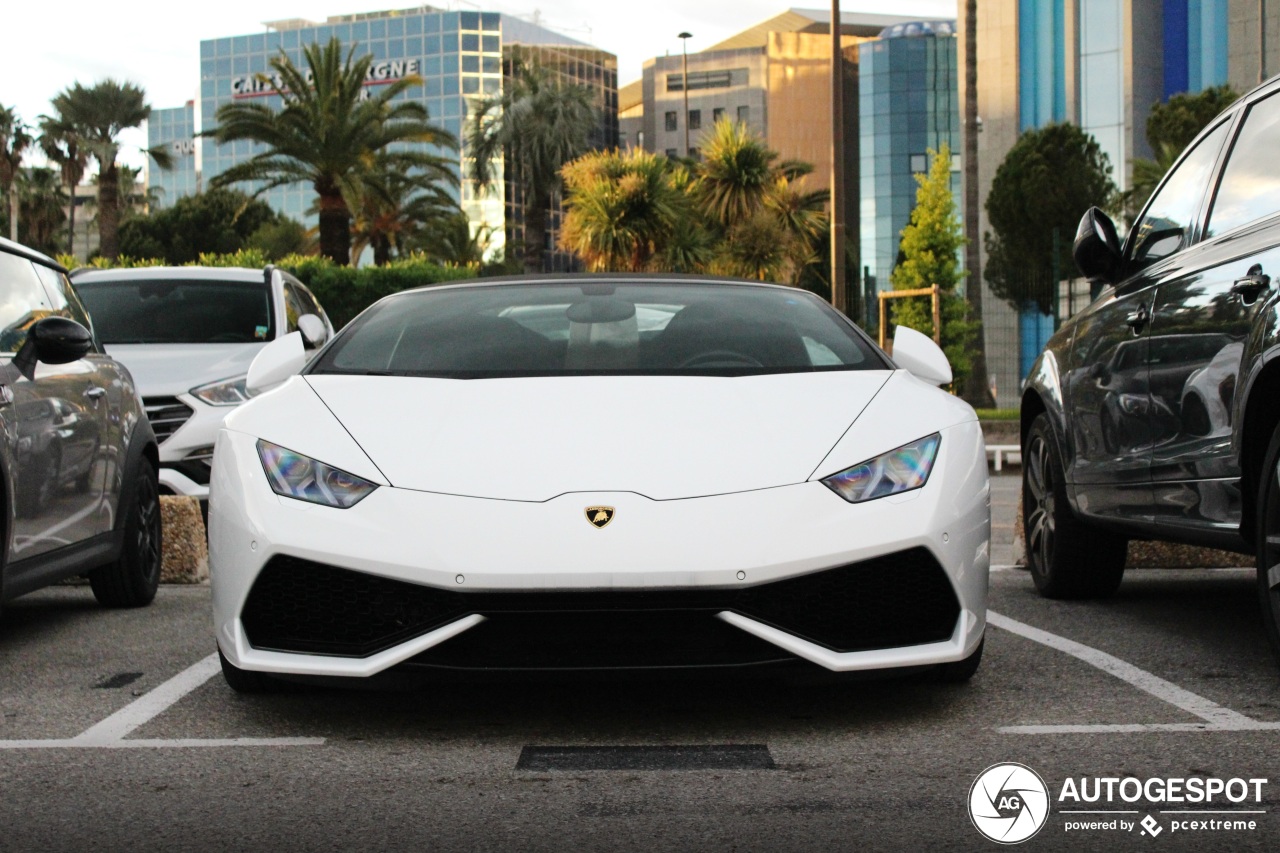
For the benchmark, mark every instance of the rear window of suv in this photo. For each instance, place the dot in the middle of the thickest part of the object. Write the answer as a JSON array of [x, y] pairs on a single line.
[[178, 312]]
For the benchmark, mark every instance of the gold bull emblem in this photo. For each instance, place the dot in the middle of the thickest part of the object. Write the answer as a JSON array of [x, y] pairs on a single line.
[[600, 516]]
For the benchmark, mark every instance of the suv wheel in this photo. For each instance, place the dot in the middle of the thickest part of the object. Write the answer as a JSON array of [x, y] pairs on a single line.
[[131, 581], [1269, 544], [1067, 557]]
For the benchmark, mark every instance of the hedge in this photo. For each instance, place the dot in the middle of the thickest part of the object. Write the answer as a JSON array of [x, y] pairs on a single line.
[[343, 291]]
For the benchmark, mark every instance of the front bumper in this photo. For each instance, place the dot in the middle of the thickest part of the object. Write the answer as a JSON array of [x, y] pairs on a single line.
[[533, 574]]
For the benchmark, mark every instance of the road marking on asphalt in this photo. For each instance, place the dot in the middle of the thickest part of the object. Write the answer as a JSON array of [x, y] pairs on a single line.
[[111, 732], [1216, 717]]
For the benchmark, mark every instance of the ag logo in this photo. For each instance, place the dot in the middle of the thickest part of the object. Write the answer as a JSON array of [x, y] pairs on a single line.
[[600, 516], [1009, 803]]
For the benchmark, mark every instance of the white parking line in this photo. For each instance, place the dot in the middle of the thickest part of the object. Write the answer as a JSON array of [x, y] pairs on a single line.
[[111, 732], [1216, 717]]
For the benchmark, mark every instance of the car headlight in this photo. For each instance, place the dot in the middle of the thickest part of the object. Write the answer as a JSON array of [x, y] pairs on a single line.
[[224, 392], [296, 476], [890, 473]]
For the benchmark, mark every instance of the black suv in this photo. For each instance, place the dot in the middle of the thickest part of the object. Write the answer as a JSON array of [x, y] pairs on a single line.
[[1155, 412], [77, 455]]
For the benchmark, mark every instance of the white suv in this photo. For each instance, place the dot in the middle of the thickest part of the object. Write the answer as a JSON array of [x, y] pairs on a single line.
[[188, 334]]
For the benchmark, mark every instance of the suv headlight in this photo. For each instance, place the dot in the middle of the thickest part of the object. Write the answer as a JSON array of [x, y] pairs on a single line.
[[224, 392], [890, 473], [296, 476]]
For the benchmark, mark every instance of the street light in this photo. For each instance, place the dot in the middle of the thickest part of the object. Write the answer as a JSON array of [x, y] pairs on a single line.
[[684, 77]]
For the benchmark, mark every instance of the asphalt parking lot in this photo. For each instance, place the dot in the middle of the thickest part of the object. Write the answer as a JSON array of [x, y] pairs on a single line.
[[118, 733]]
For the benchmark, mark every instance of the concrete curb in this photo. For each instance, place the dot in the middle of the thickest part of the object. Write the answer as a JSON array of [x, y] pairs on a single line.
[[186, 550]]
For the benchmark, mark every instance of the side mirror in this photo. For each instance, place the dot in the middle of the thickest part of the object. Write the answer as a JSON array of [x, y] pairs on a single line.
[[918, 354], [53, 340], [275, 363], [313, 330], [1097, 248]]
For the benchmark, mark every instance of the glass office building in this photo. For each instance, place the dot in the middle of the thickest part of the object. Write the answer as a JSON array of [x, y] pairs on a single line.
[[908, 104], [173, 130], [458, 54]]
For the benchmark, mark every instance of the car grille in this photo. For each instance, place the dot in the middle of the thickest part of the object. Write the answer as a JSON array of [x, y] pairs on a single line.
[[167, 415], [901, 599]]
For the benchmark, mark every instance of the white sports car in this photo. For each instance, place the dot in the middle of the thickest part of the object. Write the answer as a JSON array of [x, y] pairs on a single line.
[[598, 472]]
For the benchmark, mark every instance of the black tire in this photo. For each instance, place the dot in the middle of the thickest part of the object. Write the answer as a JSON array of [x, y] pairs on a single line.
[[132, 580], [959, 672], [1268, 527], [1068, 558], [246, 680]]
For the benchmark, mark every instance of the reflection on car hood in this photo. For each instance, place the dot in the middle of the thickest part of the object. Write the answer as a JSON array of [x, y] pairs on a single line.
[[664, 437], [164, 370]]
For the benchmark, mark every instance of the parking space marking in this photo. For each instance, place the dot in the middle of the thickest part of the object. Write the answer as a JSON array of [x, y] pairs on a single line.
[[1216, 717], [111, 733]]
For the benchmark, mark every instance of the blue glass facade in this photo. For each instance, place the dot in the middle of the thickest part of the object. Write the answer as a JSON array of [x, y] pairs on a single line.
[[175, 131], [458, 54], [908, 102], [1042, 62], [1195, 45]]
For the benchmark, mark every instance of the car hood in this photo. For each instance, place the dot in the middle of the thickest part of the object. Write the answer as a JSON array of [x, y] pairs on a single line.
[[165, 370], [663, 437]]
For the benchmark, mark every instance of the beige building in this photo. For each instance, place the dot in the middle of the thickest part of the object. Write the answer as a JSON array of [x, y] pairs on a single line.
[[774, 77]]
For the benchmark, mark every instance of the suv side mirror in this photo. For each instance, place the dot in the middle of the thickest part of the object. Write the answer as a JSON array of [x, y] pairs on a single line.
[[275, 363], [53, 340], [920, 356], [313, 331], [1097, 248]]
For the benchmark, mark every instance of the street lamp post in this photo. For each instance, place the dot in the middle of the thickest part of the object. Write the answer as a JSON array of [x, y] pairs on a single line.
[[838, 295], [684, 83]]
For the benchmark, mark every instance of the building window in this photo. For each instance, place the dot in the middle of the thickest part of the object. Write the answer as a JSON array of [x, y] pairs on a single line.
[[702, 80], [695, 154], [717, 114], [671, 121], [695, 119], [671, 153], [919, 163], [744, 114]]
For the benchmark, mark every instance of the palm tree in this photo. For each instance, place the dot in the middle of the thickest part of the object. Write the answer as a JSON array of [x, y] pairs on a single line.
[[41, 201], [328, 133], [452, 240], [624, 211], [14, 140], [397, 206], [737, 173], [64, 148], [98, 114], [539, 124]]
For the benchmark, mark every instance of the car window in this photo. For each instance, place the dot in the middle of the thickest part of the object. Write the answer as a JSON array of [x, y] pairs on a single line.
[[66, 302], [599, 328], [1167, 223], [294, 307], [308, 302], [1250, 186], [22, 301], [178, 311]]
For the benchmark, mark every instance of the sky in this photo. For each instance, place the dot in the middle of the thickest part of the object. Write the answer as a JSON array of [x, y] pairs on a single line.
[[49, 46]]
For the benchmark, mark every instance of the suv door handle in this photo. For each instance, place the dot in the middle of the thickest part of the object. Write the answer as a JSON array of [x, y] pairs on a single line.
[[1251, 285], [95, 393], [1137, 319]]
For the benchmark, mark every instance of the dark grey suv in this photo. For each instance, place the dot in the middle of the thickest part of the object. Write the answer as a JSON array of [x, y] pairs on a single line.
[[77, 455], [1182, 443]]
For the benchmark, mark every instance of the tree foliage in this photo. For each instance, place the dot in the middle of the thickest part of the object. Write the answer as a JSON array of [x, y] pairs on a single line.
[[97, 115], [41, 217], [330, 133], [1046, 182], [929, 253], [538, 124], [14, 141], [218, 221], [738, 212]]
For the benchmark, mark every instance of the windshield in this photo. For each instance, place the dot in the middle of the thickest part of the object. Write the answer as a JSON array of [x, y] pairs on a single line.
[[178, 312], [599, 327]]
